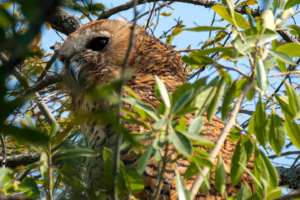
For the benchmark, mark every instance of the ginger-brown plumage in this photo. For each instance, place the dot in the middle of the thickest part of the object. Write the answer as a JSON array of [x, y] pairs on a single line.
[[149, 57]]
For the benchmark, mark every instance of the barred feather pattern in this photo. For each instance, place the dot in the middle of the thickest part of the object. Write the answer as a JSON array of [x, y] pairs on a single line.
[[149, 57]]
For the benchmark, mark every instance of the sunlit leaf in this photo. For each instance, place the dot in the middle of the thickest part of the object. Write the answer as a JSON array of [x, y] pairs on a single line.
[[261, 76], [163, 91], [223, 12], [182, 192], [291, 49], [282, 56], [204, 28], [220, 176]]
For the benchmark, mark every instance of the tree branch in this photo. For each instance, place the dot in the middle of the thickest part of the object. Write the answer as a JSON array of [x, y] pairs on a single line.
[[64, 22], [289, 177]]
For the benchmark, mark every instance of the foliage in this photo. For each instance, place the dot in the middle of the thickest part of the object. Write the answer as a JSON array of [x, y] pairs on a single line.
[[273, 119]]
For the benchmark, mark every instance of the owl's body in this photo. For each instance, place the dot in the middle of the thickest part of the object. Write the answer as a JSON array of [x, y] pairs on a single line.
[[149, 57]]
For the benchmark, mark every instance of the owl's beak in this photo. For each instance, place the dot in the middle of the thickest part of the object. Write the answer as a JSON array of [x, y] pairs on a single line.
[[74, 69]]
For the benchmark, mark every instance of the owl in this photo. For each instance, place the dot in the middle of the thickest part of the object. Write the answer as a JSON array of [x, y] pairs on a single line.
[[93, 56]]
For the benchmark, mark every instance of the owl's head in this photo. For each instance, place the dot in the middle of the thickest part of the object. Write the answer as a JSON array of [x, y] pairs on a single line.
[[94, 53]]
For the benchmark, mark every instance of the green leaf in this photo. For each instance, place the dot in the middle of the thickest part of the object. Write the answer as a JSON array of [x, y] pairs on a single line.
[[216, 100], [143, 161], [291, 3], [202, 161], [293, 130], [248, 146], [3, 173], [250, 40], [204, 28], [261, 76], [181, 102], [185, 111], [284, 103], [191, 170], [215, 49], [261, 123], [294, 100], [134, 181], [272, 171], [108, 157], [257, 170], [205, 185], [121, 184], [181, 143], [182, 192], [281, 65], [145, 107], [31, 185], [196, 125], [182, 124], [239, 156], [235, 134], [268, 20], [282, 56], [54, 129], [268, 63], [240, 84], [274, 194], [160, 124], [244, 193], [277, 133], [291, 49], [205, 95], [227, 101], [223, 12], [163, 91], [30, 122], [202, 141], [27, 135], [220, 176], [293, 27], [96, 7]]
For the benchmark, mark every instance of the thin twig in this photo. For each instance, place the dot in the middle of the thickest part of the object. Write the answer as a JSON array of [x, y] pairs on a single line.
[[150, 16], [285, 154], [116, 166], [50, 195], [49, 64], [214, 152], [3, 151], [288, 196]]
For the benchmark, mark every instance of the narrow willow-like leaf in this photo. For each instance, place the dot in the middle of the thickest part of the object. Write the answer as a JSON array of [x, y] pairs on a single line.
[[227, 101], [239, 156], [182, 192], [272, 171], [261, 75], [282, 56], [294, 100], [293, 130], [220, 176], [216, 100], [163, 91], [143, 161], [261, 124], [277, 133]]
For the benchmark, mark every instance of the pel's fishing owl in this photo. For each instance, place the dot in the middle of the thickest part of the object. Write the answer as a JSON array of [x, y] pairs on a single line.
[[94, 55]]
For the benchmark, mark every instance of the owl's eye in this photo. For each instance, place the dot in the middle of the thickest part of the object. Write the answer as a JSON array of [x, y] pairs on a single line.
[[98, 43]]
